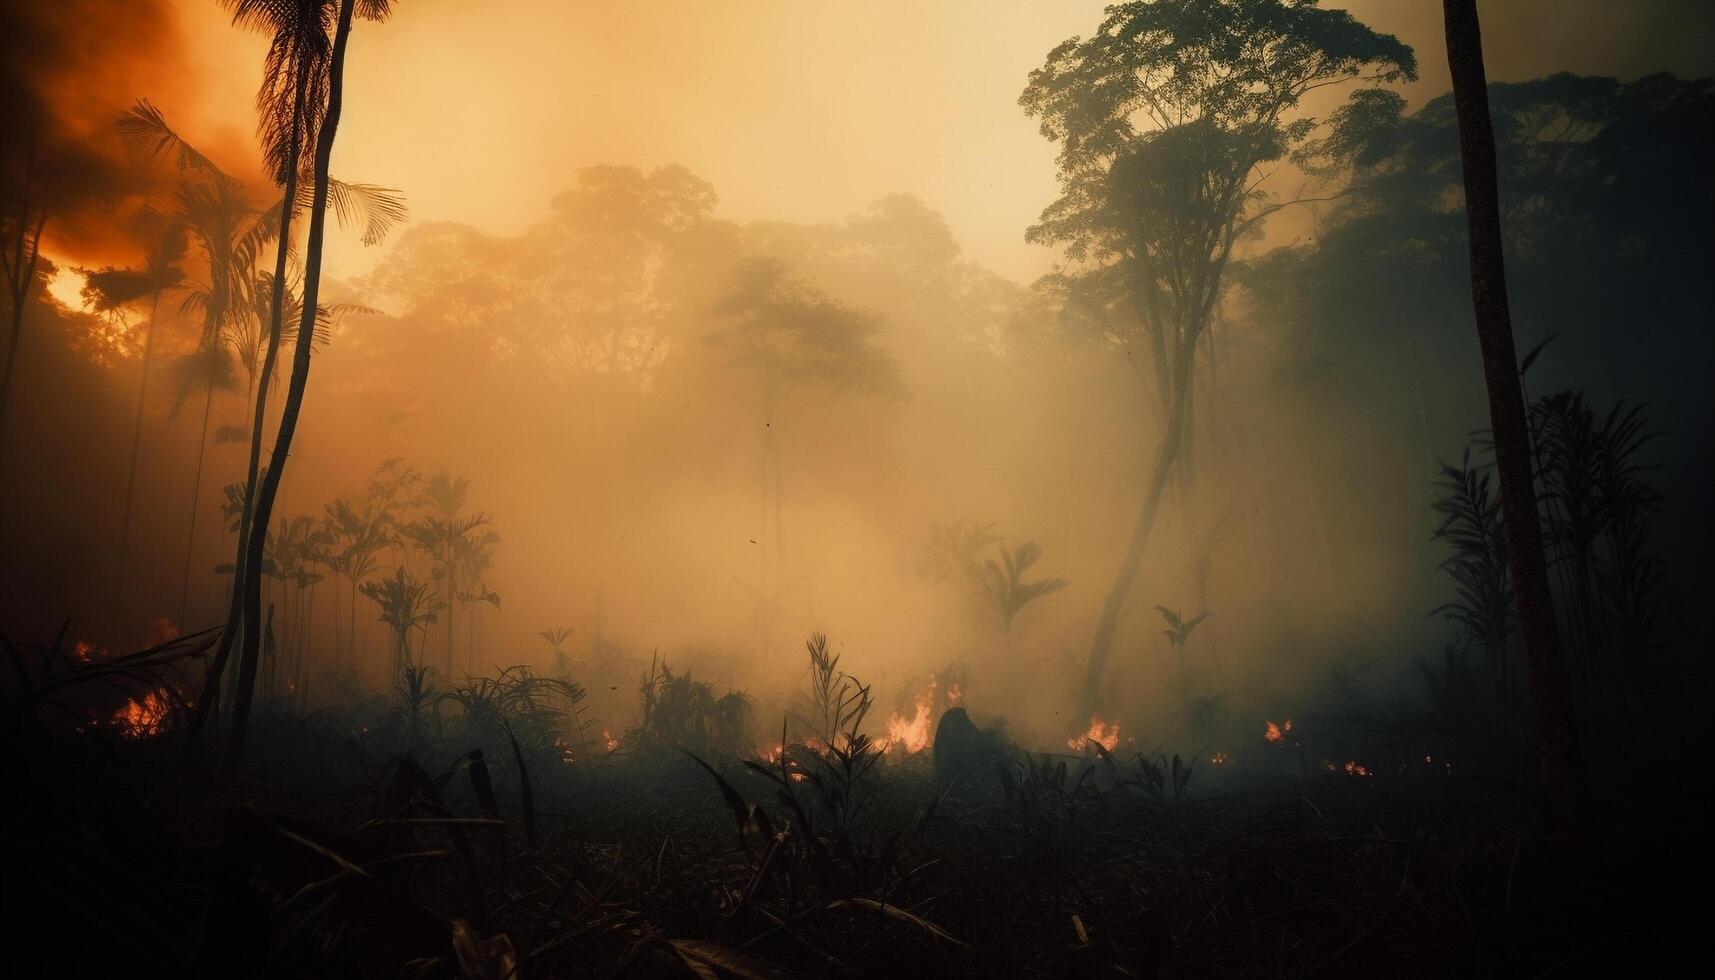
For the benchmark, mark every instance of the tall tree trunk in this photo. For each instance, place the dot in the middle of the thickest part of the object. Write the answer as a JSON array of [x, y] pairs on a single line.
[[23, 274], [136, 449], [276, 315], [270, 481], [191, 533], [1165, 457], [1560, 773]]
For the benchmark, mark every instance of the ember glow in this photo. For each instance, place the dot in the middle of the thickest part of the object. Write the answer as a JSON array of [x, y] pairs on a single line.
[[1350, 767], [1218, 759], [1276, 733]]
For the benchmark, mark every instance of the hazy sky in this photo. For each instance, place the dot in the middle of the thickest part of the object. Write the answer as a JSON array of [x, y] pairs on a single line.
[[793, 109]]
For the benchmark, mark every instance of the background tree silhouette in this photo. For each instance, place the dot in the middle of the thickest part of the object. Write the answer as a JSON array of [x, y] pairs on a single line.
[[113, 289], [1166, 117], [790, 335]]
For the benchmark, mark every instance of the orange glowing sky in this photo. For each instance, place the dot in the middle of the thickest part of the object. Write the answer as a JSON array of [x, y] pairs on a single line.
[[793, 109]]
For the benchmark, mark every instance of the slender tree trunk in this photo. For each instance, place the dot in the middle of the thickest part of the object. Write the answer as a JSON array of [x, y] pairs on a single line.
[[276, 314], [191, 534], [270, 482], [1560, 773], [136, 449], [23, 275], [1168, 453]]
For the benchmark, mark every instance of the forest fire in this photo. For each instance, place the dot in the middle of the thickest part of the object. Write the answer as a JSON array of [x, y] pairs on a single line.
[[912, 734], [703, 395], [147, 718], [1102, 733]]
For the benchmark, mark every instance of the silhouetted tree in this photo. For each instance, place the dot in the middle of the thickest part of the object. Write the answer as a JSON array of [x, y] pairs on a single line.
[[790, 334], [1544, 660], [24, 210], [269, 488], [113, 289], [1165, 119]]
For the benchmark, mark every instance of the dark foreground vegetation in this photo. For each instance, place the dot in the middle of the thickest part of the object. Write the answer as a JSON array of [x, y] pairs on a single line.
[[481, 829]]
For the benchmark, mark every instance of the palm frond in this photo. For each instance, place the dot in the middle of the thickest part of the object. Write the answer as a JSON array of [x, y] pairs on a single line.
[[144, 131], [374, 208]]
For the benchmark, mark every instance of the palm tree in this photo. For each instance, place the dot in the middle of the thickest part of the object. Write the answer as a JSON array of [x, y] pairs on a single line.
[[112, 289], [406, 604], [451, 541], [357, 537], [293, 553], [207, 369], [23, 215], [269, 297], [1004, 585], [269, 487], [1560, 774], [1178, 630], [556, 637]]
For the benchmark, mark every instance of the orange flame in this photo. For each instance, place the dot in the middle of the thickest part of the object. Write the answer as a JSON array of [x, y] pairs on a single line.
[[1218, 759], [143, 719], [608, 740], [1106, 735], [911, 734], [1277, 733]]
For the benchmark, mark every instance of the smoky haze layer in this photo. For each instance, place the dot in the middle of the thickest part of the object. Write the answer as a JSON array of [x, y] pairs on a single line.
[[709, 408]]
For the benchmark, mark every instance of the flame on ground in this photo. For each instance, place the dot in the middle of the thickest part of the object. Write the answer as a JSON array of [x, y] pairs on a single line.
[[608, 740], [1102, 733], [144, 719], [1218, 759], [912, 734], [1277, 733]]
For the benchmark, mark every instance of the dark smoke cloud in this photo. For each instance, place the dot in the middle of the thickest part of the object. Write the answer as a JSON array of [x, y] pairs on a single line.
[[68, 68]]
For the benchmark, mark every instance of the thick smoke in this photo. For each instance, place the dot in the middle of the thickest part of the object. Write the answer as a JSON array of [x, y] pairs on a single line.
[[68, 69]]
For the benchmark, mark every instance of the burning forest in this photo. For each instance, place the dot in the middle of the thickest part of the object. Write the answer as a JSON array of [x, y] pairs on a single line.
[[1170, 488]]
